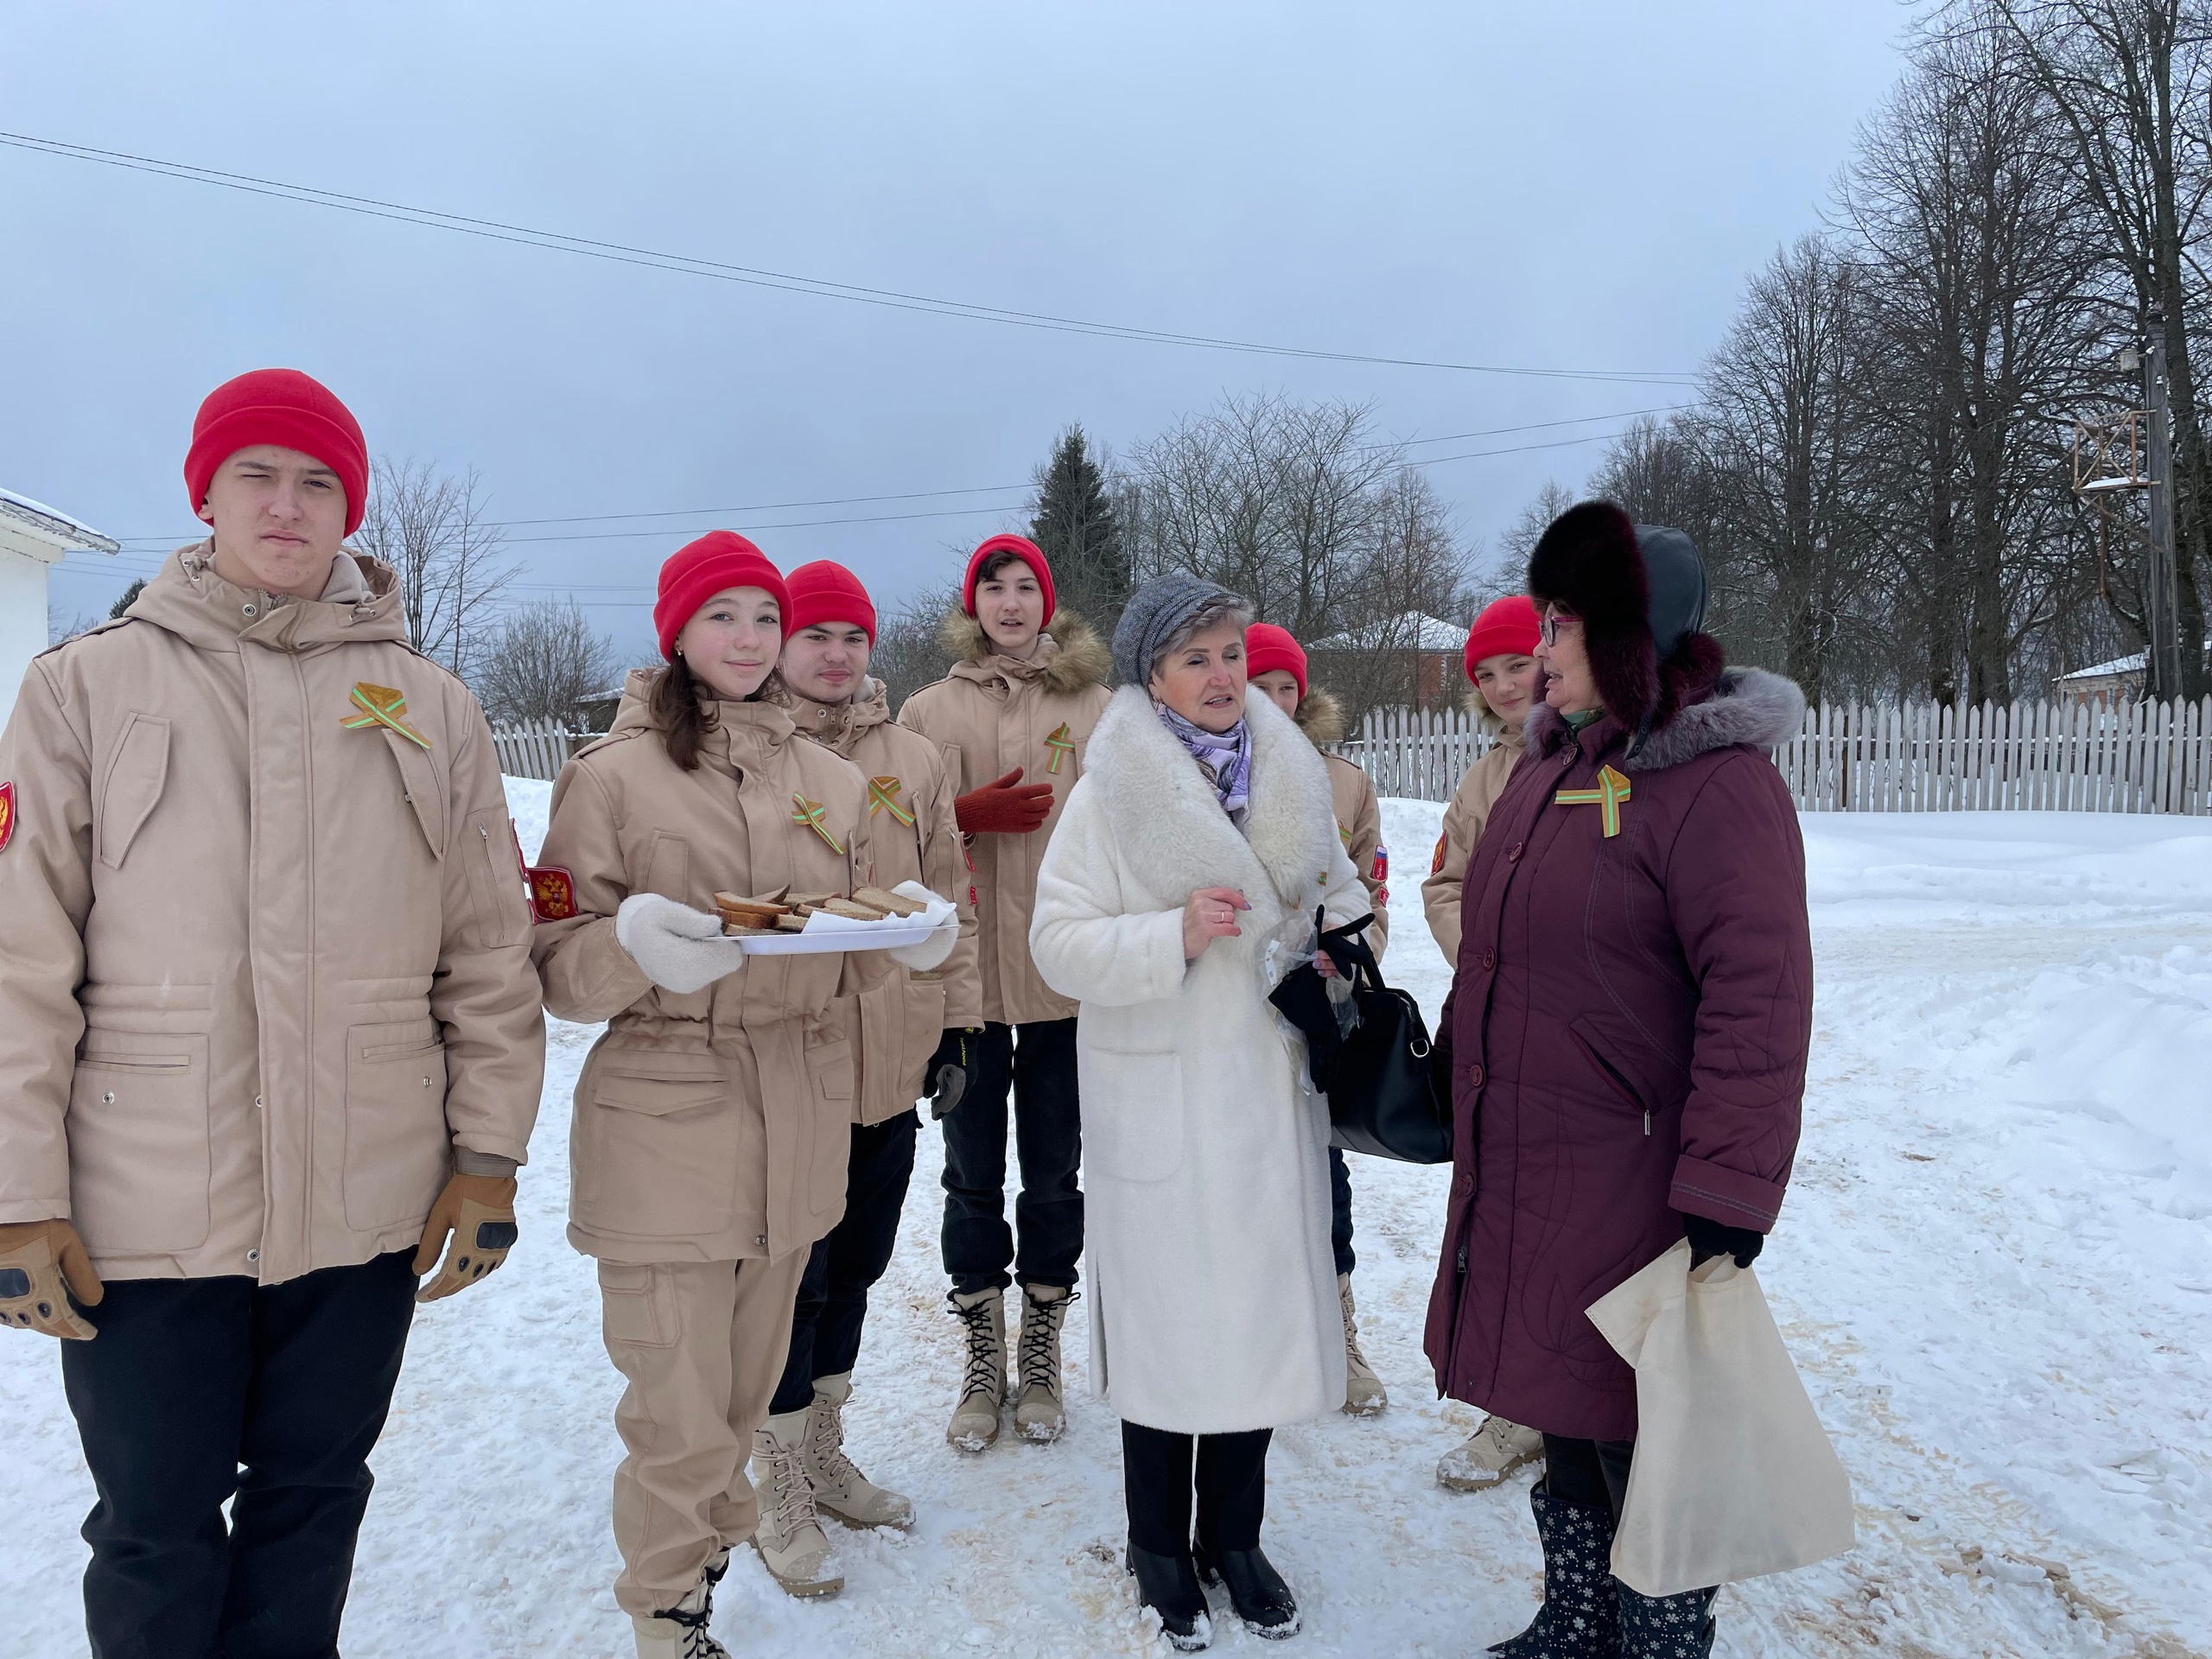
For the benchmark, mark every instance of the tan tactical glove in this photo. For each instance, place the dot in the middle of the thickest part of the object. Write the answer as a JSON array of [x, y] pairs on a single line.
[[36, 1258], [478, 1211]]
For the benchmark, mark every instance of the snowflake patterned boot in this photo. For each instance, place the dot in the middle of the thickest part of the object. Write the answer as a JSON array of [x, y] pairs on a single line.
[[1666, 1627], [1581, 1617]]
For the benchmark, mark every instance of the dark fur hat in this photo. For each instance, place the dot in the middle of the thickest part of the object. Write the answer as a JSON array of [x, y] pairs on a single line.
[[1589, 561]]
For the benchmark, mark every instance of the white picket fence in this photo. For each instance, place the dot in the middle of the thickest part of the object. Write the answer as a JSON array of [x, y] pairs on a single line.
[[1916, 757], [536, 750]]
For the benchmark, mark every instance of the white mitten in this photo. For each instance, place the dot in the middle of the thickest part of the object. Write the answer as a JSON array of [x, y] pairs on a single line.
[[681, 949], [944, 935]]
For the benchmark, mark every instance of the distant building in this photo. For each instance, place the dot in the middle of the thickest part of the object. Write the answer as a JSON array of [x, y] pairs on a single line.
[[34, 539], [1412, 659], [2106, 685]]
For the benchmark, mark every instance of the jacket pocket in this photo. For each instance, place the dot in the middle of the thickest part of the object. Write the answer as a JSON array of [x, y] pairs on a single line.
[[494, 883], [398, 1150], [425, 790], [1132, 1123], [138, 1157], [137, 773], [637, 1308], [828, 1059], [659, 1145]]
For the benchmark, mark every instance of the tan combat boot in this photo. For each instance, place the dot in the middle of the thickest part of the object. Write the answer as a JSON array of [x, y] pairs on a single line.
[[1039, 1413], [788, 1535], [841, 1491], [680, 1632], [1364, 1394], [1492, 1452], [975, 1423]]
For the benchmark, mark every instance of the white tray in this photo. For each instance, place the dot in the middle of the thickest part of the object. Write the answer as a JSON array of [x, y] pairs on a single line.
[[859, 935]]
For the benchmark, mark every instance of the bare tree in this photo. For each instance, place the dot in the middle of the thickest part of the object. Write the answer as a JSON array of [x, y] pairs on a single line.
[[1520, 539], [543, 663], [908, 653], [429, 526]]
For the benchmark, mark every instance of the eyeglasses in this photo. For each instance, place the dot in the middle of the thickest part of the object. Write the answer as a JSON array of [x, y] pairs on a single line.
[[1548, 625]]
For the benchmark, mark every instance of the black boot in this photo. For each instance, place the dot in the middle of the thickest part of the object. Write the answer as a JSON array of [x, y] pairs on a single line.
[[1581, 1617], [1169, 1585], [1679, 1626], [1262, 1601]]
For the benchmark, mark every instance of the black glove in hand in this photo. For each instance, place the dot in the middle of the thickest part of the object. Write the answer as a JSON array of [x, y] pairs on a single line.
[[950, 1067], [1709, 1238]]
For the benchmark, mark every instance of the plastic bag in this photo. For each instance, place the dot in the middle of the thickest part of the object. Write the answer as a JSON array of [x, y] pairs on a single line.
[[1733, 1476]]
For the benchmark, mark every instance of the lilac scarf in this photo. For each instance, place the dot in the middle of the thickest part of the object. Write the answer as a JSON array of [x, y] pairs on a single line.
[[1225, 757]]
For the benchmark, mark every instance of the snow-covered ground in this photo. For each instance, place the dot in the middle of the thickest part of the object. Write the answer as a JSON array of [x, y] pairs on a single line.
[[1995, 1270]]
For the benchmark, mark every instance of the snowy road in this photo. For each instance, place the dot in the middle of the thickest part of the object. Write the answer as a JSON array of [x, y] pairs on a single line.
[[1995, 1270]]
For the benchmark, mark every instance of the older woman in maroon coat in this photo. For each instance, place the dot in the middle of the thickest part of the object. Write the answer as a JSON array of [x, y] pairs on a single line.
[[1629, 1021]]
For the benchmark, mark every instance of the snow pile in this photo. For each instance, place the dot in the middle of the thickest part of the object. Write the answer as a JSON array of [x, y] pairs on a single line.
[[1991, 1269]]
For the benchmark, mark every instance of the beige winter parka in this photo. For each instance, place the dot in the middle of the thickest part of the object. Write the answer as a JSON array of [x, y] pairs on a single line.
[[1463, 827], [896, 1025], [713, 1126], [266, 959], [988, 716], [1359, 815]]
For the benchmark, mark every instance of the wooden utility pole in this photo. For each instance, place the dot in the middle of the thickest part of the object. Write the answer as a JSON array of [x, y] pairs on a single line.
[[2160, 599]]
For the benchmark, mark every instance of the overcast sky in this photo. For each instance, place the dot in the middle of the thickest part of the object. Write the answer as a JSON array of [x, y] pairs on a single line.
[[1581, 185]]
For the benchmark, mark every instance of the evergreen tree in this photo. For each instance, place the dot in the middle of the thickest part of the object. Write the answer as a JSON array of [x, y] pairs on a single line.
[[1075, 526], [130, 597]]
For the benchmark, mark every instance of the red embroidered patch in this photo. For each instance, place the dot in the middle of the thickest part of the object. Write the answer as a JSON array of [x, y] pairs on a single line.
[[1381, 870], [7, 814], [1437, 863], [1382, 898], [552, 894]]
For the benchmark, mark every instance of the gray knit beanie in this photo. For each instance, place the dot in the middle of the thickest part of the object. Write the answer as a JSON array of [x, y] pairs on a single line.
[[1155, 611]]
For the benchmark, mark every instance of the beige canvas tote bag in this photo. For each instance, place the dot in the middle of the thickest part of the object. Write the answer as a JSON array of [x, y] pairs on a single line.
[[1733, 1476]]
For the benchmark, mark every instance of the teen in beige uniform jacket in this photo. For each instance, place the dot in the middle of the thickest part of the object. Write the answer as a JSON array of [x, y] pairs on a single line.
[[266, 976], [1463, 826], [896, 1025], [1359, 815], [710, 1133], [989, 714]]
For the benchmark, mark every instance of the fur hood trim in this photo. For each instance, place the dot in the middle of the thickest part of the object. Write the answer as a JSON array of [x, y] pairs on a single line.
[[1745, 706], [1079, 658], [1321, 717], [1167, 819]]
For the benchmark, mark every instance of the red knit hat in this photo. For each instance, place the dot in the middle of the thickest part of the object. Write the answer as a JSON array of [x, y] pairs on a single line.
[[1027, 552], [1509, 626], [825, 591], [285, 407], [698, 571], [1268, 647]]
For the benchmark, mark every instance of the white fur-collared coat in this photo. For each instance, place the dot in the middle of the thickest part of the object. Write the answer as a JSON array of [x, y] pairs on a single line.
[[1212, 1288]]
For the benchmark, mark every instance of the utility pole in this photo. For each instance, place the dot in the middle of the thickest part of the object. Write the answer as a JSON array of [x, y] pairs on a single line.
[[2160, 599]]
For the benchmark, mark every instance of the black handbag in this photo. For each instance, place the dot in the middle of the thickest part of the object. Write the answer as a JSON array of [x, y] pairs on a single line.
[[1370, 1054]]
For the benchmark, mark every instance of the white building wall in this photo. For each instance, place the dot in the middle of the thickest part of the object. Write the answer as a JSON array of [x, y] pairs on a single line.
[[22, 621]]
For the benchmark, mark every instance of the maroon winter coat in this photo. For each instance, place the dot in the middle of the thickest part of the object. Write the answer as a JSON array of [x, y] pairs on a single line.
[[1630, 1018]]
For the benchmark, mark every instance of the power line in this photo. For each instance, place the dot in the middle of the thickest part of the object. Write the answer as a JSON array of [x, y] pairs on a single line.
[[758, 276]]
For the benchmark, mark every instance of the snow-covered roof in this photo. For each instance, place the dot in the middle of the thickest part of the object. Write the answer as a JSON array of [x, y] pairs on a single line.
[[1407, 631], [2103, 671], [53, 526]]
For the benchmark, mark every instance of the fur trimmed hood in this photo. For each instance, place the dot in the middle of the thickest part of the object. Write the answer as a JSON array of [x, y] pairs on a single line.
[[1321, 717], [1744, 705], [1166, 819], [1078, 657]]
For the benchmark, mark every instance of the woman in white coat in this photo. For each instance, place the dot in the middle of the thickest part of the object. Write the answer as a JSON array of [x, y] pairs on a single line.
[[1182, 876]]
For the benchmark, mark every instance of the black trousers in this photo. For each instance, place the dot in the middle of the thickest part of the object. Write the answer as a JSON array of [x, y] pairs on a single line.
[[1340, 1212], [188, 1380], [1593, 1473], [1036, 1063], [846, 1262], [1157, 1469]]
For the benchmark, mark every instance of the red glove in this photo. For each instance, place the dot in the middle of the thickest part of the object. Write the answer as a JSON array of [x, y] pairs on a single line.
[[1000, 809]]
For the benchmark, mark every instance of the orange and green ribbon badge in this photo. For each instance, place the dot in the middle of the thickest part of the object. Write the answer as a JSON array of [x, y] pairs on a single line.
[[1061, 745], [883, 796], [1608, 798], [809, 817], [382, 706]]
